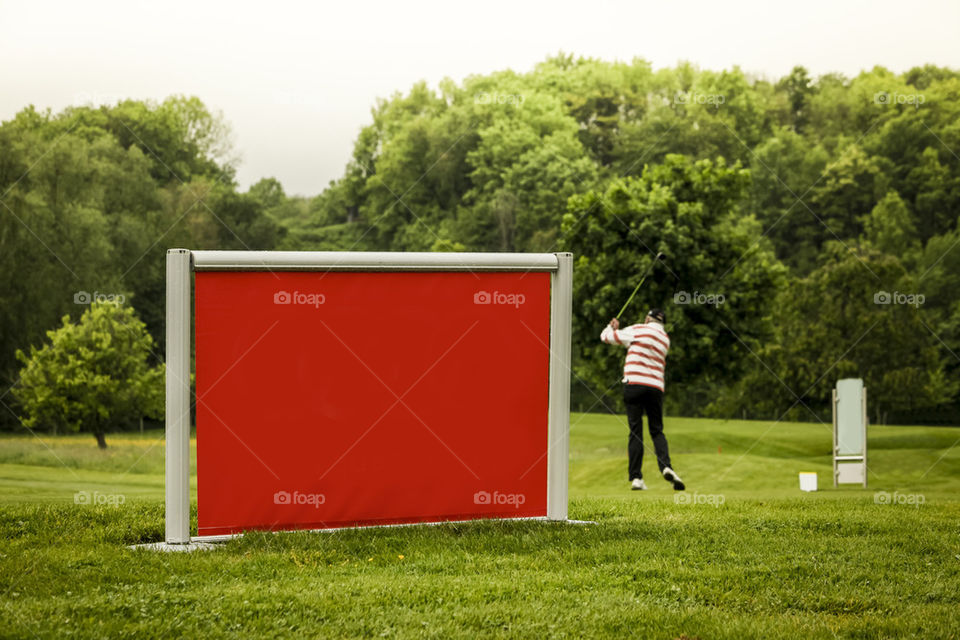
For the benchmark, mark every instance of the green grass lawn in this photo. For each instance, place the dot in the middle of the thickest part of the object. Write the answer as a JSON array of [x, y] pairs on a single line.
[[769, 561]]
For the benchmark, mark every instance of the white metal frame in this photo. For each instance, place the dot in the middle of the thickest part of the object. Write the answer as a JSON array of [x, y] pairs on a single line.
[[846, 459], [182, 262]]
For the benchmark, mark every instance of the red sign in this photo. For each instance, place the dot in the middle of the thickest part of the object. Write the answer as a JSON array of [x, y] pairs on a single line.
[[331, 399]]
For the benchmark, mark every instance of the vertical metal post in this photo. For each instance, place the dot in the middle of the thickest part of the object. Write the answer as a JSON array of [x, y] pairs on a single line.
[[177, 421], [866, 420], [835, 426], [558, 452]]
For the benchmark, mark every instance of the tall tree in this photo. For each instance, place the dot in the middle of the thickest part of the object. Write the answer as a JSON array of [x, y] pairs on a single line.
[[716, 288], [857, 315]]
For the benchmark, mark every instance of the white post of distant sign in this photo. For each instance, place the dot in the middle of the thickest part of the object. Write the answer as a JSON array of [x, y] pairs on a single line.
[[850, 432]]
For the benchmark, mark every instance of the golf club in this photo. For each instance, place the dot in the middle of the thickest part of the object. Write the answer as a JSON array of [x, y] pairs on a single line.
[[656, 259]]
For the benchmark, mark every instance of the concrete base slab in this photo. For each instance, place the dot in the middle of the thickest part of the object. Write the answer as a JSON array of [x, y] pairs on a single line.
[[207, 543]]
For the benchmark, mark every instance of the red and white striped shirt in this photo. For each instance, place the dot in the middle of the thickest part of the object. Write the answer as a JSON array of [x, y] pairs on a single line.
[[647, 346]]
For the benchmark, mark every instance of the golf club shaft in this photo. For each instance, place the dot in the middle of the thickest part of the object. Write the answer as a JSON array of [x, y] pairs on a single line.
[[630, 299], [640, 284]]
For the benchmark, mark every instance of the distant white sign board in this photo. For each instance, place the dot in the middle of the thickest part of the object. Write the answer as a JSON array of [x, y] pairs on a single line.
[[850, 432]]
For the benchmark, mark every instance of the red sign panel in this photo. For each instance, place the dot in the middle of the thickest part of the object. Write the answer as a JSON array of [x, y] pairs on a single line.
[[339, 399]]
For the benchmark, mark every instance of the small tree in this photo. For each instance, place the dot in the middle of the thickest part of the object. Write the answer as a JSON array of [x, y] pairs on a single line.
[[93, 376]]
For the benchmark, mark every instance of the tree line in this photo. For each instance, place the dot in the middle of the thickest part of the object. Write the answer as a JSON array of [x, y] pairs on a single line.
[[810, 223]]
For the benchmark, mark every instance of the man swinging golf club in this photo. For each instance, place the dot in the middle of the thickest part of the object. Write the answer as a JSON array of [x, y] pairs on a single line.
[[647, 345]]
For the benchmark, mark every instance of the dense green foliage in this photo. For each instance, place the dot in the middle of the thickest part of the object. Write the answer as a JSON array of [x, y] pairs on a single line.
[[90, 200], [768, 562], [803, 174], [688, 211], [762, 192], [827, 326], [92, 376]]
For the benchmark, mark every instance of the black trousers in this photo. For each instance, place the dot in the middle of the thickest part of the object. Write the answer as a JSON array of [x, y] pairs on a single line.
[[641, 399]]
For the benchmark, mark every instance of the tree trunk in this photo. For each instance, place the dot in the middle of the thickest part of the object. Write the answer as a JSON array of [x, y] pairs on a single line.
[[101, 439]]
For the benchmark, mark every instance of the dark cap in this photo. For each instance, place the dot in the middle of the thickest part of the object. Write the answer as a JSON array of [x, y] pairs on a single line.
[[658, 315]]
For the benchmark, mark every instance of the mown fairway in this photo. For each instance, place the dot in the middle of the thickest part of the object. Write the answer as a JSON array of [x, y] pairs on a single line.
[[769, 561]]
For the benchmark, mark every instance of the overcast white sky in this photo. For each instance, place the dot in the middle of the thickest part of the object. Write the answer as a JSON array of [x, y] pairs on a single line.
[[297, 80]]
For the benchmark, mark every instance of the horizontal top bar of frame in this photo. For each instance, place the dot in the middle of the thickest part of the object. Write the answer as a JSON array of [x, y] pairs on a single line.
[[370, 261]]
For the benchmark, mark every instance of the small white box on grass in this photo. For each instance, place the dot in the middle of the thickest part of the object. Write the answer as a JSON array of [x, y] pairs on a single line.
[[808, 481]]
